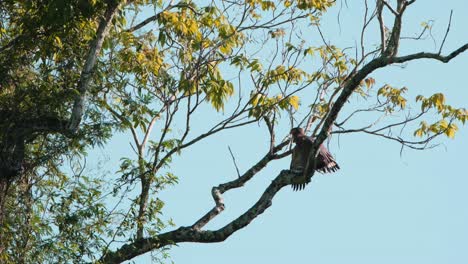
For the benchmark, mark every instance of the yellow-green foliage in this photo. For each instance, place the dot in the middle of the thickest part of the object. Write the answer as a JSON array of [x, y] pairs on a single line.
[[449, 116], [263, 105], [394, 95]]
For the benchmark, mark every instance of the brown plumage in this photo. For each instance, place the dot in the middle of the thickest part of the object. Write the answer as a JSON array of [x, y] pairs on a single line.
[[324, 163]]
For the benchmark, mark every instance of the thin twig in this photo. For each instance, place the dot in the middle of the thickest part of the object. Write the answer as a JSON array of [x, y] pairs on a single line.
[[446, 32], [234, 161]]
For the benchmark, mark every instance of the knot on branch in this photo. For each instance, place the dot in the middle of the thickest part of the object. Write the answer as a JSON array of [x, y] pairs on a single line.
[[216, 193]]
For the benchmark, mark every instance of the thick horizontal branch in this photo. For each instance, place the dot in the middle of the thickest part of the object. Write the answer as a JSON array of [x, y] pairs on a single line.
[[48, 125], [193, 234], [216, 192], [189, 234], [428, 55], [27, 124]]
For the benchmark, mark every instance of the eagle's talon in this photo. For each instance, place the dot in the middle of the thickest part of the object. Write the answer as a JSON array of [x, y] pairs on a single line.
[[299, 182]]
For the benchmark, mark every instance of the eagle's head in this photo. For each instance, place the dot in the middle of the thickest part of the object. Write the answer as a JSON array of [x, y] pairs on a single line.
[[296, 133]]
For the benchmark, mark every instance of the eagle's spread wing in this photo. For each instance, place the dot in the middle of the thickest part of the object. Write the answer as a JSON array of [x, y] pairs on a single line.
[[325, 161]]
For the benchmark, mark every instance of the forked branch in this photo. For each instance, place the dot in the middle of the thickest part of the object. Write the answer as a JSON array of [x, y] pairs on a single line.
[[194, 232]]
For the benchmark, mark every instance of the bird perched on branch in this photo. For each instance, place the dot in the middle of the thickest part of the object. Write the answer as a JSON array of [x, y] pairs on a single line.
[[324, 161]]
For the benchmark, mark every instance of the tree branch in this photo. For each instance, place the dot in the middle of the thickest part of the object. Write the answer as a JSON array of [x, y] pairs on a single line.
[[190, 234], [427, 55], [194, 232], [446, 32], [89, 66], [390, 7], [234, 161], [216, 192], [381, 25], [354, 81], [143, 23]]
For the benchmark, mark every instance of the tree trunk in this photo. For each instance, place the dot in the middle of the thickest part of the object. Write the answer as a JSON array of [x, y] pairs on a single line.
[[11, 166], [4, 185]]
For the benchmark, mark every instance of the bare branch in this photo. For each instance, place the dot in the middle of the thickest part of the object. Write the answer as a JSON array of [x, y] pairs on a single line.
[[234, 161], [364, 27], [390, 7], [270, 125], [239, 182], [353, 82], [190, 234], [386, 132], [375, 108], [148, 130], [383, 39], [446, 32], [394, 41], [427, 55]]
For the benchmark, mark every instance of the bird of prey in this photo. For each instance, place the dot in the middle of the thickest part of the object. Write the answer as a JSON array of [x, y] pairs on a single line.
[[324, 161]]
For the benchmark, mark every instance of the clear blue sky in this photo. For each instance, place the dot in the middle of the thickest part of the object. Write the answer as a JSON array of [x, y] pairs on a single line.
[[379, 208]]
